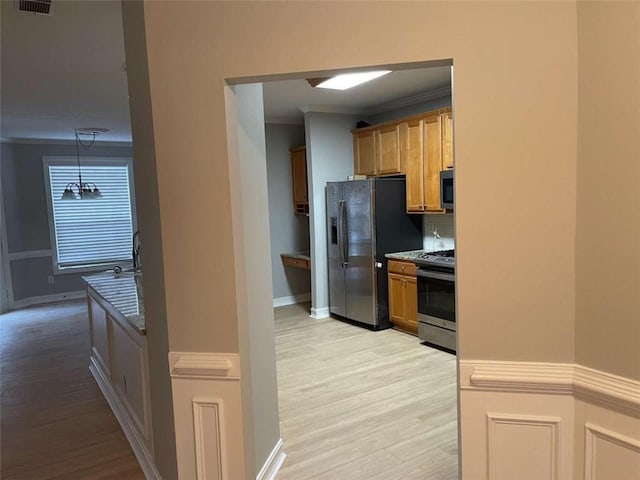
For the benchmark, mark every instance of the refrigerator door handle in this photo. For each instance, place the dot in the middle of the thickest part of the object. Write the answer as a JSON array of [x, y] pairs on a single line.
[[344, 252], [340, 231]]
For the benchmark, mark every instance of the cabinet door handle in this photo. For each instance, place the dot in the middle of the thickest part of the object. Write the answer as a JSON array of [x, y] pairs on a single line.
[[124, 381]]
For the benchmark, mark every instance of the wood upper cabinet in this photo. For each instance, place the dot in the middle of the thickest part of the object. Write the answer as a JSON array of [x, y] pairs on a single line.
[[447, 139], [403, 296], [364, 153], [420, 147], [388, 158], [423, 155], [299, 179], [413, 153], [432, 162], [377, 151]]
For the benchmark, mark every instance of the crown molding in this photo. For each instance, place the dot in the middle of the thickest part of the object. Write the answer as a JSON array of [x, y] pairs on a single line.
[[339, 109], [284, 120], [44, 141], [382, 107], [408, 101]]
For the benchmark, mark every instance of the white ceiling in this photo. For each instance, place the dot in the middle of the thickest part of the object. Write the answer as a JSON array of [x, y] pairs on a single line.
[[66, 71], [283, 100]]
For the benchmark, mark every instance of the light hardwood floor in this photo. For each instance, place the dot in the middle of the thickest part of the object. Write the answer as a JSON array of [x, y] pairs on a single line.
[[354, 404], [357, 404], [55, 423]]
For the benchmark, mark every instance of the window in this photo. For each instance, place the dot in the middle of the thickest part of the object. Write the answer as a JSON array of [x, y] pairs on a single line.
[[90, 233]]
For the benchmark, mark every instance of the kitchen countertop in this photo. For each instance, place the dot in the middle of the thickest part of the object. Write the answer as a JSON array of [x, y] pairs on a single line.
[[298, 255], [122, 291], [404, 256]]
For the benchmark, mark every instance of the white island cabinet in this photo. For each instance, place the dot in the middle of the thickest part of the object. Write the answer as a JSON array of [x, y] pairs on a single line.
[[118, 357]]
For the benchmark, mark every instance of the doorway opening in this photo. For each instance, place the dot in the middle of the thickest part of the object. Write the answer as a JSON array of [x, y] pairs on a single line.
[[350, 398]]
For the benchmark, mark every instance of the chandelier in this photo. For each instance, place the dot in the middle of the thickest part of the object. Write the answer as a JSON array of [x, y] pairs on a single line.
[[83, 190]]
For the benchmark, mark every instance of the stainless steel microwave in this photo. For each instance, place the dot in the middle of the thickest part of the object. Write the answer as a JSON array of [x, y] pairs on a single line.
[[446, 189]]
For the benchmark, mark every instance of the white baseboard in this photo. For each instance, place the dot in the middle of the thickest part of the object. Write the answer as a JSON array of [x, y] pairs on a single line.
[[272, 466], [57, 297], [290, 300], [318, 313], [137, 443]]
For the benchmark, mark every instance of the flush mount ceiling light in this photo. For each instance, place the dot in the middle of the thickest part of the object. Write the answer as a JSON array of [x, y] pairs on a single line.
[[83, 190], [346, 80]]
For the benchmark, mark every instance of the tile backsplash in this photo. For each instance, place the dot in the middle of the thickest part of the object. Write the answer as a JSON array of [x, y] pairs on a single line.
[[443, 225]]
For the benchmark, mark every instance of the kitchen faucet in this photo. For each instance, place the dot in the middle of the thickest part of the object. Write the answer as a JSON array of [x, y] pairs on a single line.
[[136, 250]]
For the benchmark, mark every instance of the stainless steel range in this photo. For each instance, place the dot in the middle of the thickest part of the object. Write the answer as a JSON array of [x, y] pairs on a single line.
[[437, 298]]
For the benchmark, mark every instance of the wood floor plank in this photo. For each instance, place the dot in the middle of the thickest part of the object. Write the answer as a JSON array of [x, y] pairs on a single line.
[[359, 404], [354, 404], [55, 423]]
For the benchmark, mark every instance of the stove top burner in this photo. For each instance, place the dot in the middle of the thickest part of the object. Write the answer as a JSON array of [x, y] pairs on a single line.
[[441, 258]]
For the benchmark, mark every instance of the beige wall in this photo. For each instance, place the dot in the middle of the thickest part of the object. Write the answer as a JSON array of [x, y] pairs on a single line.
[[608, 218], [147, 198], [253, 276], [516, 154], [515, 128]]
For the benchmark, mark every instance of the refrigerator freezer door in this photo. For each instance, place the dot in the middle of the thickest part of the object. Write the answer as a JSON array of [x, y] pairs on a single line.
[[337, 289], [359, 265]]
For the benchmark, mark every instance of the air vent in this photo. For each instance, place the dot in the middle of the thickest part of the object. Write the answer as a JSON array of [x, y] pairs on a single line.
[[42, 7]]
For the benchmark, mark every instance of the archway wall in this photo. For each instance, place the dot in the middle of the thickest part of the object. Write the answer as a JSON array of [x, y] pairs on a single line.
[[515, 106]]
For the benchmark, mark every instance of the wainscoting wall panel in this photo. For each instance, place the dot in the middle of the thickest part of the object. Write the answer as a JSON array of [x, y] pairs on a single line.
[[207, 409], [208, 415], [610, 455], [209, 439], [518, 441], [548, 421]]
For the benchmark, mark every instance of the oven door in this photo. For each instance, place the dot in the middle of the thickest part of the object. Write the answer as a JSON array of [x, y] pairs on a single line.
[[437, 298]]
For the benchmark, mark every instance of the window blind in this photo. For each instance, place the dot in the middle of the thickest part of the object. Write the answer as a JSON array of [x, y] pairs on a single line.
[[92, 231]]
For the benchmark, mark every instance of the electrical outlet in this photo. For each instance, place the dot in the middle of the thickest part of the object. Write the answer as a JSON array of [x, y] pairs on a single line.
[[51, 279]]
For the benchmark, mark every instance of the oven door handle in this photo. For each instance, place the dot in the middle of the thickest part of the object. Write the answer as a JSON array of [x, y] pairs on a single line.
[[448, 277]]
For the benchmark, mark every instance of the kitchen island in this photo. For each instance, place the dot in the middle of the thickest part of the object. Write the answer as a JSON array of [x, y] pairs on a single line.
[[118, 355]]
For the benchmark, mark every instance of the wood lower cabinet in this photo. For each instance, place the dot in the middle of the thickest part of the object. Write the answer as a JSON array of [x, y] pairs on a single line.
[[403, 296], [299, 180]]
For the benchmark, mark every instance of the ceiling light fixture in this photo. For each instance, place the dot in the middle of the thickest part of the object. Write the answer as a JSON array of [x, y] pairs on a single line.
[[83, 190], [348, 80]]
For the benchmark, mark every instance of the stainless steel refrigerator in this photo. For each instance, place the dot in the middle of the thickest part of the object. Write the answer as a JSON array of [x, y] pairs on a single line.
[[365, 220]]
